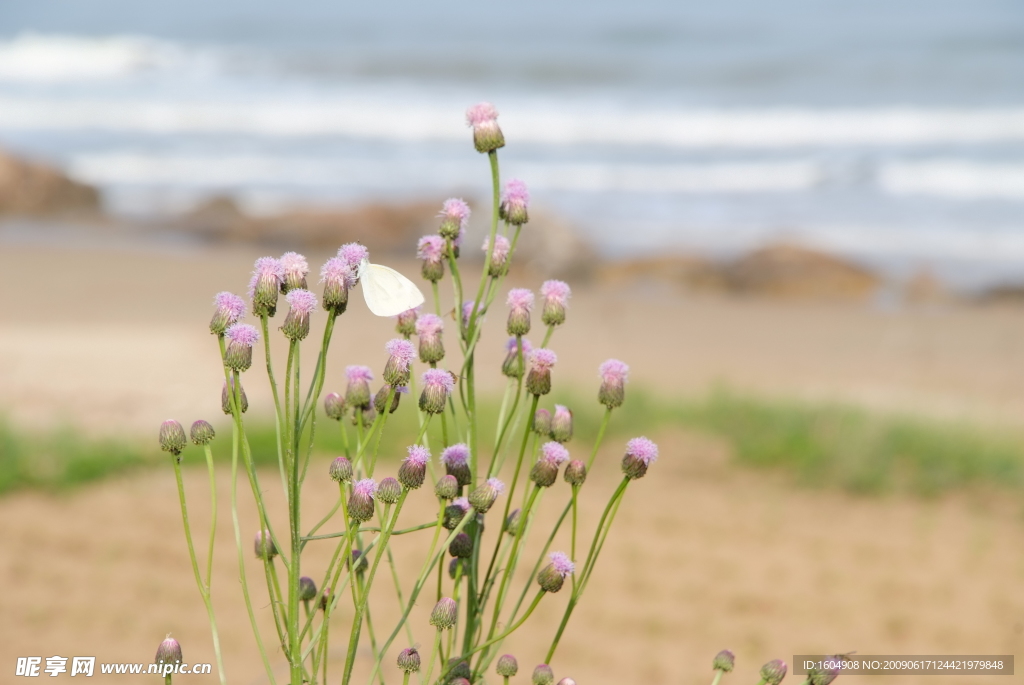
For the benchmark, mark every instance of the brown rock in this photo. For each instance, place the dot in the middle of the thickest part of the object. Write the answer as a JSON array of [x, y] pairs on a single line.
[[694, 272], [792, 271], [35, 189]]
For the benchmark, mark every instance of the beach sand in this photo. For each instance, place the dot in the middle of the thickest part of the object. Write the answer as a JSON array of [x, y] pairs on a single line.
[[705, 555]]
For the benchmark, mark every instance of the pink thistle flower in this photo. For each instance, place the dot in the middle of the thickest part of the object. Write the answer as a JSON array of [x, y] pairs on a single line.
[[556, 300], [510, 367], [512, 346], [640, 454], [360, 502], [461, 503], [614, 375], [562, 563], [437, 386], [542, 359], [428, 328], [467, 311], [406, 322], [302, 301], [229, 308], [554, 453], [561, 424], [431, 249], [241, 337], [520, 298], [538, 380], [413, 469], [242, 334], [418, 454], [545, 470], [484, 496], [454, 217], [429, 324], [551, 578], [357, 394], [520, 301], [499, 256], [264, 286], [358, 374], [515, 199], [366, 486], [455, 455], [296, 324], [396, 371], [354, 254], [337, 276], [295, 268], [496, 485], [483, 118]]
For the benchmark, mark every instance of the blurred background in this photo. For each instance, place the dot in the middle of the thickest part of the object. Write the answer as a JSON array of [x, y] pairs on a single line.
[[801, 222]]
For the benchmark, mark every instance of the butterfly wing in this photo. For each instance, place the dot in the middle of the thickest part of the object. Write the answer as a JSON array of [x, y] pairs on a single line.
[[387, 292]]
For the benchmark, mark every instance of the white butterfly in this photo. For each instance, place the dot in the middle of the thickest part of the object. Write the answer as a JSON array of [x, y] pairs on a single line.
[[387, 292]]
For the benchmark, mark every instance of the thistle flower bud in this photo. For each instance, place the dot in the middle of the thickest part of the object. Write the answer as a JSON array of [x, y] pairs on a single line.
[[614, 375], [487, 136], [774, 671], [538, 381], [296, 323], [455, 512], [229, 308], [515, 199], [169, 652], [364, 417], [545, 471], [543, 675], [457, 670], [520, 303], [354, 254], [511, 366], [484, 496], [326, 597], [202, 433], [724, 661], [447, 487], [824, 676], [413, 469], [405, 323], [454, 215], [640, 454], [264, 546], [360, 503], [461, 547], [553, 575], [334, 406], [241, 337], [467, 312], [512, 523], [307, 588], [445, 614], [499, 255], [337, 276], [576, 473], [567, 681], [437, 386], [389, 490], [172, 437], [459, 681], [409, 660], [381, 398], [341, 470], [357, 394], [507, 666], [225, 398], [429, 328], [561, 424], [396, 372], [431, 250], [456, 462], [542, 423], [358, 561], [556, 300], [453, 567], [295, 268], [265, 285]]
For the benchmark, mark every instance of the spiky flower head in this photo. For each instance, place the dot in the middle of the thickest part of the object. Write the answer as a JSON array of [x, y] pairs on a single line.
[[263, 545], [542, 423], [640, 454], [556, 301], [543, 675], [515, 200], [405, 323], [358, 561], [499, 255], [389, 490], [454, 217], [437, 386], [552, 576], [241, 337], [614, 375], [824, 676], [431, 249], [307, 588], [507, 666], [520, 303], [354, 254], [409, 660], [724, 661], [360, 503], [561, 424], [538, 381], [337, 276], [487, 135], [511, 525], [381, 398], [447, 487], [511, 366], [456, 462], [576, 473], [169, 652], [444, 614], [357, 394], [334, 406], [458, 670], [296, 324], [461, 547], [413, 470], [172, 437], [396, 371], [774, 671], [485, 494], [341, 470], [545, 471], [428, 329], [295, 268], [265, 285], [226, 400], [228, 309], [202, 433], [455, 512]]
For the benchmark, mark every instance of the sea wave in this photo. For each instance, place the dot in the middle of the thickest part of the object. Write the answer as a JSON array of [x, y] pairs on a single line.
[[954, 178]]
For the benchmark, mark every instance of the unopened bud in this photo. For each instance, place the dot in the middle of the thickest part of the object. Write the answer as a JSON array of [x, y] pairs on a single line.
[[487, 135], [455, 512], [614, 375], [461, 547], [453, 567], [225, 397], [458, 670], [389, 490], [341, 470], [429, 328], [307, 588], [561, 424], [543, 675], [413, 470], [364, 417], [514, 366], [360, 503], [202, 433], [542, 423], [169, 652], [325, 599], [265, 286], [405, 324], [515, 199], [264, 546], [445, 614], [437, 386], [358, 561], [447, 487], [724, 661], [357, 394], [576, 473], [172, 437], [381, 398], [334, 406], [484, 496], [409, 660], [774, 671], [520, 302], [556, 300], [507, 666], [512, 523], [567, 681]]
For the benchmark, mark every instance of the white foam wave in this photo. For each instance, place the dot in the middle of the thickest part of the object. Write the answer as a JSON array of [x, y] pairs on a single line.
[[965, 180], [34, 58]]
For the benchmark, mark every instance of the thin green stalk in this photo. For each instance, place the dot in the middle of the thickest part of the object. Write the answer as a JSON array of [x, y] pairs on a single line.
[[380, 432], [547, 336], [213, 513], [509, 631], [433, 655], [294, 524], [718, 677], [277, 400], [319, 373], [437, 298]]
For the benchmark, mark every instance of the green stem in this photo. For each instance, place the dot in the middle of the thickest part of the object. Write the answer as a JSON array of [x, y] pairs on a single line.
[[277, 400], [433, 655], [213, 513], [717, 678]]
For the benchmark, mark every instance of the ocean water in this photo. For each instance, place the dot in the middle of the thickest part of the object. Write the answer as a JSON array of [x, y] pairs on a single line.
[[889, 131]]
